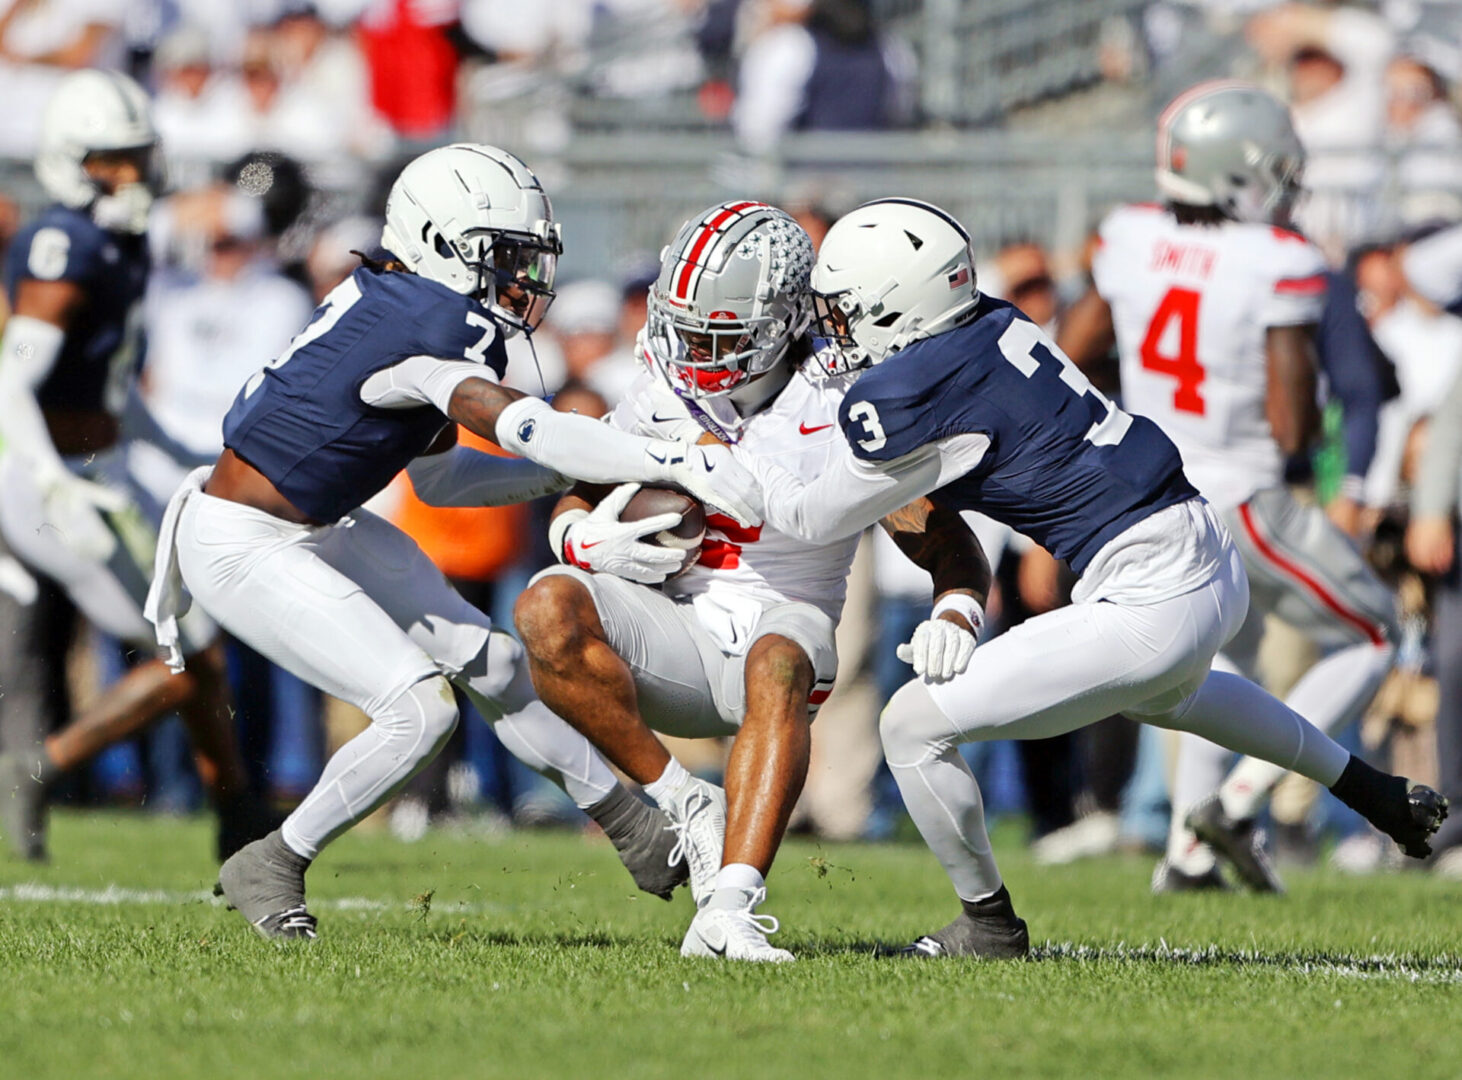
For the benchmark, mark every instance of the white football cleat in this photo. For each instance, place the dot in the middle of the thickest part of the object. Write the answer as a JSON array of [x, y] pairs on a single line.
[[735, 933], [697, 813]]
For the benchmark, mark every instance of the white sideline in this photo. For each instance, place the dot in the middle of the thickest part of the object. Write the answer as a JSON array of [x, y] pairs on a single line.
[[32, 892]]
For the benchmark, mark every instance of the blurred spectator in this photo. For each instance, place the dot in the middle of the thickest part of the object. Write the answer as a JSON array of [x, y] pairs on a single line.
[[1021, 273], [198, 109], [819, 65], [40, 41], [585, 318], [413, 65], [1335, 58], [1425, 346], [1423, 129], [332, 259]]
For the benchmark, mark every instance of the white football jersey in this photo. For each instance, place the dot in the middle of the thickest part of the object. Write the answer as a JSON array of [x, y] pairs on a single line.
[[743, 570], [1190, 305]]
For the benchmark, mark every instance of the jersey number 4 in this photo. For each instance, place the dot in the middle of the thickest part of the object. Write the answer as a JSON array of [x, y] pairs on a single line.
[[1180, 305]]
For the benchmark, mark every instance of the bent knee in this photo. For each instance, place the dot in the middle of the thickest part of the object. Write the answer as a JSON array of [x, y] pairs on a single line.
[[912, 727], [426, 712], [780, 661], [553, 614]]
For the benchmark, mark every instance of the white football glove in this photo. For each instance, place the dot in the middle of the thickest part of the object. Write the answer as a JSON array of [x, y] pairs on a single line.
[[600, 542], [73, 508], [713, 476], [939, 650]]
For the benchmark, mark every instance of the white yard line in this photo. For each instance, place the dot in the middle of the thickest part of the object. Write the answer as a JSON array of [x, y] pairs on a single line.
[[115, 895]]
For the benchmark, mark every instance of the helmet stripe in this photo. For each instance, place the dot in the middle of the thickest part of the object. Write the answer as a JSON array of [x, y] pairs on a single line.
[[1181, 102], [707, 234]]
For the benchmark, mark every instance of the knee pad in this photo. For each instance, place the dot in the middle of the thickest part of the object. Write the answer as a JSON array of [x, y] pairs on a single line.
[[913, 728], [427, 710], [497, 677]]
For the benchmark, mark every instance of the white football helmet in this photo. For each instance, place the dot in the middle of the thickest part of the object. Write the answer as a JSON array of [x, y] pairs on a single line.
[[1232, 146], [730, 298], [476, 219], [94, 112], [889, 273]]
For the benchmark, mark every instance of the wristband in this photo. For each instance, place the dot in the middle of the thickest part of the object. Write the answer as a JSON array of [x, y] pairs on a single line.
[[961, 604], [558, 530]]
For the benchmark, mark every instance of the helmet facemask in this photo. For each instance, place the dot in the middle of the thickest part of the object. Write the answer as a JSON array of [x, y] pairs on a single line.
[[124, 207], [729, 301], [515, 273], [833, 317]]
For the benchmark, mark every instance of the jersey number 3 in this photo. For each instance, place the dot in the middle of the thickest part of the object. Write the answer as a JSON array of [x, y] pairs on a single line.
[[1180, 305]]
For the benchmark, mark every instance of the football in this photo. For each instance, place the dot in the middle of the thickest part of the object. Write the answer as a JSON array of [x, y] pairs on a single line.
[[686, 536]]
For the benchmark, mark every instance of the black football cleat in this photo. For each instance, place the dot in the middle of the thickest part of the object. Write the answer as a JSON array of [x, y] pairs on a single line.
[[1408, 813], [265, 883], [987, 928], [1237, 841]]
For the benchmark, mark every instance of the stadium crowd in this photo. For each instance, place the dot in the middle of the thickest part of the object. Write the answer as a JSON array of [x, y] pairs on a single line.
[[266, 106]]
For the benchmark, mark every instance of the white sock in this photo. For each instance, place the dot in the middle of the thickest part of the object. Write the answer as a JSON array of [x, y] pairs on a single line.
[[671, 780], [373, 766], [1199, 771], [741, 876]]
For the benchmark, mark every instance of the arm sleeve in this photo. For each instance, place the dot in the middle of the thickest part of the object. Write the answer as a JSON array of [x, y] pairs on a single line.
[[850, 494], [420, 380], [579, 447], [466, 477], [1435, 494], [28, 352]]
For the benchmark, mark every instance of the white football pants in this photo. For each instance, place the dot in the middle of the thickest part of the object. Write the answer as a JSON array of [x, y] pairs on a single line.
[[1306, 572], [1063, 670], [358, 610]]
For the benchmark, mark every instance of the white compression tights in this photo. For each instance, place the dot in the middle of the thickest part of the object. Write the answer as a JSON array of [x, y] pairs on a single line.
[[1061, 671]]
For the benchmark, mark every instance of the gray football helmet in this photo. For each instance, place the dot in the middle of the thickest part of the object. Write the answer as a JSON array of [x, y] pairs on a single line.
[[1232, 146], [730, 298]]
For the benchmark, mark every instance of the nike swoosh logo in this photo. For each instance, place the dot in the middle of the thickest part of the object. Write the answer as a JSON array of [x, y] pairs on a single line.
[[658, 419], [719, 952], [592, 543], [809, 430], [655, 456], [706, 461]]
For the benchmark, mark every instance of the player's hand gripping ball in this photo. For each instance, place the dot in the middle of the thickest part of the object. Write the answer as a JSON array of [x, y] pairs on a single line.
[[686, 536]]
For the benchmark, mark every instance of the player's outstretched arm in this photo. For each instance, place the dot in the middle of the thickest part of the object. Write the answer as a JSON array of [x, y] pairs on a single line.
[[452, 475], [586, 449], [1289, 404], [940, 542]]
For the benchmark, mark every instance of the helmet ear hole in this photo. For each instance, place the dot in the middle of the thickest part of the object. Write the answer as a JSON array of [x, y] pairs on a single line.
[[439, 242]]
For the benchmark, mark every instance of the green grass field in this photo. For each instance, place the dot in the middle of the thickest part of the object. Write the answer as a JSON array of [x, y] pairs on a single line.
[[529, 955]]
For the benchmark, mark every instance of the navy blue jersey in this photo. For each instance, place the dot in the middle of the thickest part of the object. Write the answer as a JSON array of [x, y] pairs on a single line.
[[301, 421], [1064, 466], [102, 349]]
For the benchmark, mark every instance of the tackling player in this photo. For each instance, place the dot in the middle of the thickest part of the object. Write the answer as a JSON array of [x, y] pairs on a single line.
[[75, 278], [970, 402], [273, 543], [741, 644], [1212, 302]]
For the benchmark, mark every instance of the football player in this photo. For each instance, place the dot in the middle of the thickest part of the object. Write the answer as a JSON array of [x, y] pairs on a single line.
[[273, 543], [1212, 301], [968, 400], [75, 278], [741, 643]]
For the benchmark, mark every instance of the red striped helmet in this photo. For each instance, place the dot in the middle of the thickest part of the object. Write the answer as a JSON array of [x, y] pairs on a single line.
[[730, 297]]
